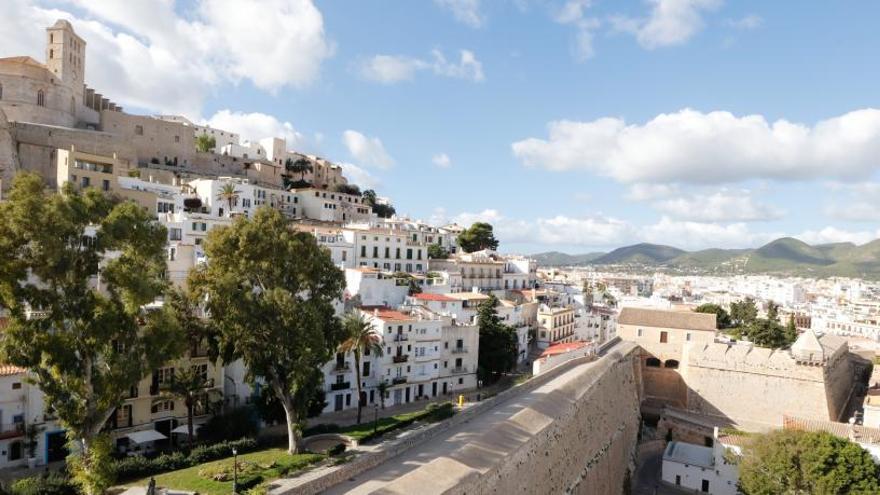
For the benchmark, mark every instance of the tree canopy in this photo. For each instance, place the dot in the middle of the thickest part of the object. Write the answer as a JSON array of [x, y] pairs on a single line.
[[75, 275], [722, 318], [790, 461], [769, 333], [743, 312], [436, 251], [271, 293], [478, 237], [205, 143], [498, 344], [383, 210]]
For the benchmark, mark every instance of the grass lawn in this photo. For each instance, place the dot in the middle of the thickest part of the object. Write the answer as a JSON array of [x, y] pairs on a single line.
[[358, 432], [254, 468]]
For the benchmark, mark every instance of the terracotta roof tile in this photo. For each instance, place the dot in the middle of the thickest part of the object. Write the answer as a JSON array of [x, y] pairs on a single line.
[[685, 320]]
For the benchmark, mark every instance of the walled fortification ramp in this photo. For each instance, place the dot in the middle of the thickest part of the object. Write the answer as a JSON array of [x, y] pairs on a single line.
[[576, 433]]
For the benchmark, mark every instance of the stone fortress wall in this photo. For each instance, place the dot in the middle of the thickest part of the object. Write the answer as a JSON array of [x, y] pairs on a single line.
[[579, 438], [589, 446], [755, 387]]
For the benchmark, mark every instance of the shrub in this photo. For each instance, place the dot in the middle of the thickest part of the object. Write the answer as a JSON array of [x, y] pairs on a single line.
[[140, 467], [45, 484], [134, 467], [335, 450], [171, 462], [206, 453], [439, 412]]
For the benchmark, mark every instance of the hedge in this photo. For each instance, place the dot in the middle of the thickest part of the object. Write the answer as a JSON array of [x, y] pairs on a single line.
[[43, 484], [140, 467]]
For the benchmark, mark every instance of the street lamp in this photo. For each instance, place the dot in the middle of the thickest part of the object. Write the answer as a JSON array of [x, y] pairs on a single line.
[[234, 471]]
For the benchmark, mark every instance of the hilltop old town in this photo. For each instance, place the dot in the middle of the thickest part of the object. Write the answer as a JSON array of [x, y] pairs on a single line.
[[187, 311]]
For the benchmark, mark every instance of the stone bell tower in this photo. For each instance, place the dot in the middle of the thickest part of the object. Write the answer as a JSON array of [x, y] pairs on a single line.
[[66, 56]]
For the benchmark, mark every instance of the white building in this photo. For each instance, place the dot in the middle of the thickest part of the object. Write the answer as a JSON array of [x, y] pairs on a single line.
[[374, 288], [425, 355], [701, 469]]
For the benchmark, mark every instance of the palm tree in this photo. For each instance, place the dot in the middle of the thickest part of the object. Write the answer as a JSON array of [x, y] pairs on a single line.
[[195, 390], [360, 338], [229, 194], [300, 166]]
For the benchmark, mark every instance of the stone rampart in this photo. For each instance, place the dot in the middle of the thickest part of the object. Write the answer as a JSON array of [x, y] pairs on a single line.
[[578, 437]]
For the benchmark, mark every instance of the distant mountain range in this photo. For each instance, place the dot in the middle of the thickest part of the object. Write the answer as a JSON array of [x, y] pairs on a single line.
[[785, 256]]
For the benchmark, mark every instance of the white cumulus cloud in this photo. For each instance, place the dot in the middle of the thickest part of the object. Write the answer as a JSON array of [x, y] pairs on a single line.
[[441, 160], [573, 12], [671, 22], [697, 147], [858, 202], [746, 23], [145, 54], [701, 235], [366, 150], [254, 126], [465, 11], [831, 234], [721, 206], [390, 69], [360, 176]]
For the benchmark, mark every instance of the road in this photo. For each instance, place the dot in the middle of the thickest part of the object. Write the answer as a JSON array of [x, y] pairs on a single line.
[[469, 448]]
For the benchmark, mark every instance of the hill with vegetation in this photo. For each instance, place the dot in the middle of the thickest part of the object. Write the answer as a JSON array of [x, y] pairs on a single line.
[[784, 256]]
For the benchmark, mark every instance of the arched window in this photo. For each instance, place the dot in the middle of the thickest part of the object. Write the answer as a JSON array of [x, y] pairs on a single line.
[[671, 363], [41, 98], [652, 363]]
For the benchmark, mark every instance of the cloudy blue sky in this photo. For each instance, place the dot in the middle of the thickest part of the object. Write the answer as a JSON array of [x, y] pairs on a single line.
[[571, 125]]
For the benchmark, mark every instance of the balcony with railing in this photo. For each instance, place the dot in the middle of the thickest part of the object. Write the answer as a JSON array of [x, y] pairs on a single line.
[[398, 380], [459, 350], [340, 386], [399, 337], [459, 370], [11, 430], [402, 358], [343, 367]]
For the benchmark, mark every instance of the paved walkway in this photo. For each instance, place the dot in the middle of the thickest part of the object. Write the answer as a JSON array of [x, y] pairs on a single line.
[[471, 447]]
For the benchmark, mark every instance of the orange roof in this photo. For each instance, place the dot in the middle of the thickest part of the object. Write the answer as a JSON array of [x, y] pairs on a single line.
[[386, 313], [433, 297], [563, 348], [9, 370]]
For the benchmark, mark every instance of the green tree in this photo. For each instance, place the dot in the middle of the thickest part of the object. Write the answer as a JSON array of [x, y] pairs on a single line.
[[743, 312], [772, 310], [437, 252], [722, 319], [348, 189], [76, 315], [768, 333], [478, 237], [369, 197], [228, 193], [360, 339], [300, 166], [195, 390], [795, 462], [498, 344], [791, 333], [205, 143], [271, 293], [587, 290]]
